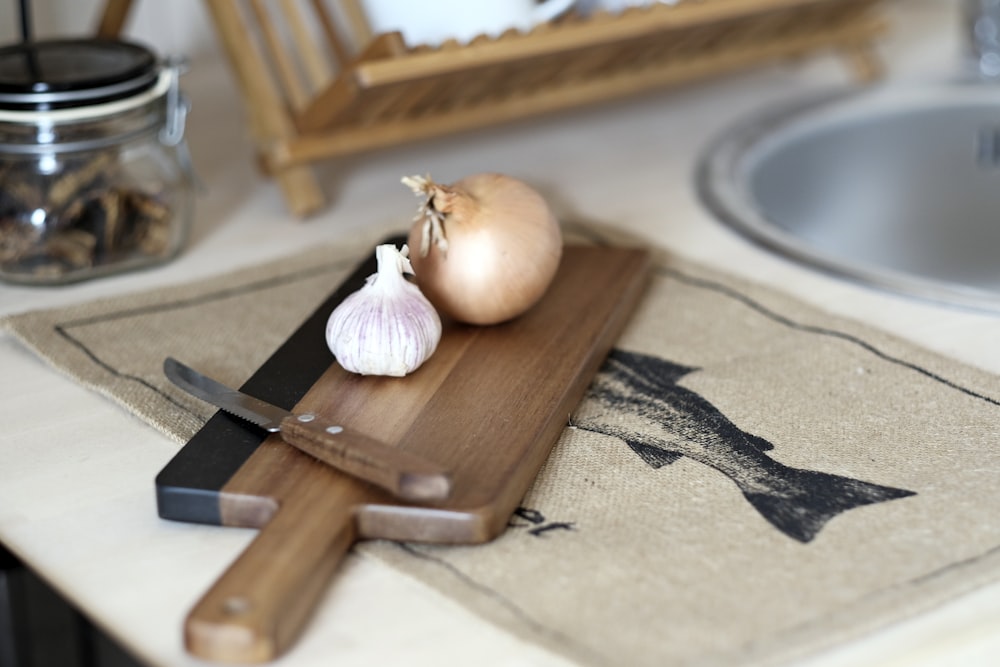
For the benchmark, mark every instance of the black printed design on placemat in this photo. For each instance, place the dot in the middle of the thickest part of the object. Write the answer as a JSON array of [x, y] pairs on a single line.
[[665, 421], [536, 522], [656, 455]]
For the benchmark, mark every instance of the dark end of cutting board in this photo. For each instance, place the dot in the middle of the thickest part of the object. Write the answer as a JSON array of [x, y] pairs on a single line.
[[188, 487]]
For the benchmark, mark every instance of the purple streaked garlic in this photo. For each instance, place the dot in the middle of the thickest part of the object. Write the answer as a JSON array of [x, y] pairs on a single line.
[[388, 327]]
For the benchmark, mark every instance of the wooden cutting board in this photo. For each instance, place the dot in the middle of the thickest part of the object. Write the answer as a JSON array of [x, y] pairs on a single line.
[[489, 405]]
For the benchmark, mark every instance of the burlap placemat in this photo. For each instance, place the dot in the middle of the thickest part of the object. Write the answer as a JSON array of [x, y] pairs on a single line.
[[748, 479]]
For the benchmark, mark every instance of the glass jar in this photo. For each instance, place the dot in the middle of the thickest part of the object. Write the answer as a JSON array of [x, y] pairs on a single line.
[[95, 176]]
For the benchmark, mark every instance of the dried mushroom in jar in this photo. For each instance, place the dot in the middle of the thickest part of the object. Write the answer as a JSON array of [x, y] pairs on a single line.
[[80, 217]]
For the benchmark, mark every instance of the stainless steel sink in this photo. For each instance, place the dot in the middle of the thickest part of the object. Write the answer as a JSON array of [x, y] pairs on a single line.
[[895, 187]]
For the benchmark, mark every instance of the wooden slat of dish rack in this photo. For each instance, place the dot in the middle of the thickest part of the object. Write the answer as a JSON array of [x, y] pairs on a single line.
[[396, 100], [390, 94]]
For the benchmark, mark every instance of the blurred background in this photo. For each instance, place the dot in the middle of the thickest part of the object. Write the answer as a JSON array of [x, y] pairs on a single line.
[[174, 27]]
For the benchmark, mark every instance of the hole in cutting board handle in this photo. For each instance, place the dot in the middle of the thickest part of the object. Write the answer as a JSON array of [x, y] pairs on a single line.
[[236, 605]]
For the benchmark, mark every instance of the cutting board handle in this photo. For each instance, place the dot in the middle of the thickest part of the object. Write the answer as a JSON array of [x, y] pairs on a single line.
[[261, 603]]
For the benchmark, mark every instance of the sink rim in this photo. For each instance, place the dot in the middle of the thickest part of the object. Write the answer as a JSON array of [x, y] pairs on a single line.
[[722, 177]]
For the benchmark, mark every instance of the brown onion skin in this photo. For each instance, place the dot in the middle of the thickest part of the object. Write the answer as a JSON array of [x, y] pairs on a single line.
[[504, 249]]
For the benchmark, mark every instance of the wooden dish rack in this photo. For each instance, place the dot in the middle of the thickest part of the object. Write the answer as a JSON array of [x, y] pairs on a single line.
[[317, 85]]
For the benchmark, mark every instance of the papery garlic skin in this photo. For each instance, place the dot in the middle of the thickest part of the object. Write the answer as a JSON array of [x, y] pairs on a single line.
[[388, 327]]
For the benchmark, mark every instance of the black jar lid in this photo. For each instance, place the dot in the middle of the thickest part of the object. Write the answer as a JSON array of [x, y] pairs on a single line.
[[57, 74]]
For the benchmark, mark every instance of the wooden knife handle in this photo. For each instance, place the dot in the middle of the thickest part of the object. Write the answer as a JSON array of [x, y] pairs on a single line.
[[403, 474], [260, 605]]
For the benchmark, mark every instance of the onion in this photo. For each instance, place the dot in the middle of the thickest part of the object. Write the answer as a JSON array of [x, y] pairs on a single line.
[[488, 247]]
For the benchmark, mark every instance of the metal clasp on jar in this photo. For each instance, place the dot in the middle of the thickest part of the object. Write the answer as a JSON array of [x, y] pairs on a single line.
[[178, 107]]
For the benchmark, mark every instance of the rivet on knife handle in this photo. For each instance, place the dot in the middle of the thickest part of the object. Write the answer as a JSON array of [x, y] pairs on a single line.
[[406, 475]]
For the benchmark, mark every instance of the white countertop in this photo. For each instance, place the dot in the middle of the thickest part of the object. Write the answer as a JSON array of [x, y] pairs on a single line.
[[76, 471]]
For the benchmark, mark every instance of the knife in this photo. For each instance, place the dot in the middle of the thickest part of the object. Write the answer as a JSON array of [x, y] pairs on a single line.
[[406, 475]]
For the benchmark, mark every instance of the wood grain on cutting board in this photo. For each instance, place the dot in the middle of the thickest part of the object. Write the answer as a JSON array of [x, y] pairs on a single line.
[[489, 405]]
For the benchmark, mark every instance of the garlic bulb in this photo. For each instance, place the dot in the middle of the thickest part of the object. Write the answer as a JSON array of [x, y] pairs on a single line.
[[387, 327]]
